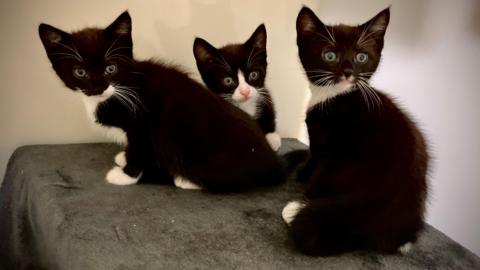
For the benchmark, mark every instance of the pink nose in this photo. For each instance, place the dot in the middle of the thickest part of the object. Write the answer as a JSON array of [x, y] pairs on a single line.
[[245, 92]]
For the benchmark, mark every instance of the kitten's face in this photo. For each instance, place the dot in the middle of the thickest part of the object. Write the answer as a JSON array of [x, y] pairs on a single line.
[[90, 60], [340, 56], [235, 72]]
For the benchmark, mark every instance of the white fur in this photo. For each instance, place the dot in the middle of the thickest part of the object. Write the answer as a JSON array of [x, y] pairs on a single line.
[[405, 248], [274, 140], [184, 183], [116, 176], [91, 102], [291, 210], [121, 159], [250, 105], [321, 94]]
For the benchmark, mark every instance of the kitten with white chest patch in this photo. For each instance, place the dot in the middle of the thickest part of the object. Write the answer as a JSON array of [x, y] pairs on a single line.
[[365, 178], [237, 73], [177, 131]]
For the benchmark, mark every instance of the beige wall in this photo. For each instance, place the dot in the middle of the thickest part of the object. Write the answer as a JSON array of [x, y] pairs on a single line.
[[430, 64]]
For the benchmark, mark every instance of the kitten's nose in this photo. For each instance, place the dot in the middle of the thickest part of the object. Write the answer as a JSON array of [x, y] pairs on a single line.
[[245, 91], [347, 72]]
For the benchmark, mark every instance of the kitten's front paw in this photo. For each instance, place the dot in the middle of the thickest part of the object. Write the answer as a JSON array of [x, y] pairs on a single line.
[[405, 248], [274, 140], [291, 210], [116, 176], [121, 159], [184, 183]]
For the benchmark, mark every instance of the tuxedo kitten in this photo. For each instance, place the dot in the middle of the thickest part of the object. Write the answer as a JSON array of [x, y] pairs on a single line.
[[237, 73], [177, 131], [366, 175]]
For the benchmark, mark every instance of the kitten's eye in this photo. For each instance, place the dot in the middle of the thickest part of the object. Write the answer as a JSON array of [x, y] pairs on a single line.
[[79, 73], [228, 81], [110, 69], [361, 58], [330, 56], [253, 75]]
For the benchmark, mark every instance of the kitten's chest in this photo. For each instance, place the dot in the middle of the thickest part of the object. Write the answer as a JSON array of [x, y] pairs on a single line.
[[250, 107], [115, 134]]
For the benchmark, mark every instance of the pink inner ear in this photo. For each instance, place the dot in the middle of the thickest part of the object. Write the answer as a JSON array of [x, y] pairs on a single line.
[[54, 37], [123, 28]]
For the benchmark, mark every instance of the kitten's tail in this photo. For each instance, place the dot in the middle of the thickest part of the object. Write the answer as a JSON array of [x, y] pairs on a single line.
[[323, 227], [292, 159]]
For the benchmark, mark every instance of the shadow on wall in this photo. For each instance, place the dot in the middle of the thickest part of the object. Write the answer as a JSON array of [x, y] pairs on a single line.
[[196, 25], [406, 22], [475, 21]]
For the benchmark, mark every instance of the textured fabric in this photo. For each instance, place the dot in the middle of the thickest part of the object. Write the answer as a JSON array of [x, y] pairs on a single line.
[[57, 212]]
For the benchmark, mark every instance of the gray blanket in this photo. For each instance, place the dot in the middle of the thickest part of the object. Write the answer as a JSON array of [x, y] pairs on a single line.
[[57, 212]]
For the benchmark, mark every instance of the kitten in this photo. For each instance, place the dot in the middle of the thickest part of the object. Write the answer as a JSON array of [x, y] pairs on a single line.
[[237, 73], [366, 175], [177, 131]]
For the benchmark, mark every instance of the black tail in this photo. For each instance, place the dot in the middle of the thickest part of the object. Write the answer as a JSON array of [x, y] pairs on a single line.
[[324, 228], [292, 159]]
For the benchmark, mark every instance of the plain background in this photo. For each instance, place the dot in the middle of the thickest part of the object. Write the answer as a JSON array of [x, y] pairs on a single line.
[[431, 65]]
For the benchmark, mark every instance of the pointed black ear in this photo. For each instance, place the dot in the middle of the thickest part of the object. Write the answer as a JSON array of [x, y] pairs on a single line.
[[258, 38], [121, 26], [378, 24], [203, 51], [52, 36], [307, 21]]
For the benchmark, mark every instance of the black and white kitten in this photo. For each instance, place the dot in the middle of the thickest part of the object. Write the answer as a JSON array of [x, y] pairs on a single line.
[[366, 176], [237, 73], [177, 131]]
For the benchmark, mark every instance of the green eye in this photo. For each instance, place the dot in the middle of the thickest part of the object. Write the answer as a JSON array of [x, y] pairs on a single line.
[[110, 69], [228, 81], [79, 73], [253, 76], [330, 56], [361, 58]]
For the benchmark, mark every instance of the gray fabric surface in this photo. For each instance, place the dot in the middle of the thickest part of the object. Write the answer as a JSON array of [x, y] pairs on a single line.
[[57, 212]]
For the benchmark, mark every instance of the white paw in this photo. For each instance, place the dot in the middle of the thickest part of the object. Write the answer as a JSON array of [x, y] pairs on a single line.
[[274, 140], [121, 159], [116, 176], [185, 183], [405, 248], [290, 211]]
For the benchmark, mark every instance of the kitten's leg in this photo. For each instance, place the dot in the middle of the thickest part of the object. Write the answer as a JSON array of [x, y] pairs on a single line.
[[153, 174], [274, 140], [184, 183], [304, 171], [117, 176], [132, 171], [121, 159], [291, 210], [405, 248], [266, 121]]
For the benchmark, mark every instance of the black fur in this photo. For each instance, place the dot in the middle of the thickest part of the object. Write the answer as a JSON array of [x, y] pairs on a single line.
[[216, 64], [175, 126], [366, 177]]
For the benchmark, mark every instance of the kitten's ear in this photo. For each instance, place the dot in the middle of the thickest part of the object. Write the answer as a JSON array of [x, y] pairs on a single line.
[[52, 36], [203, 51], [121, 26], [307, 21], [258, 38], [378, 24]]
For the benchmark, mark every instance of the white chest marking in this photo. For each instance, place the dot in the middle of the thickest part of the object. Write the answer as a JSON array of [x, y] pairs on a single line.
[[117, 135], [321, 94]]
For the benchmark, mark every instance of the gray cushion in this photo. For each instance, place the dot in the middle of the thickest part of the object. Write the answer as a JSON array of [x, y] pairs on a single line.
[[57, 212]]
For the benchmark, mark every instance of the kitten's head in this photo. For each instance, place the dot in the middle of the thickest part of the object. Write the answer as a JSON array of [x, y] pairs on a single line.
[[235, 72], [92, 59], [342, 56]]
